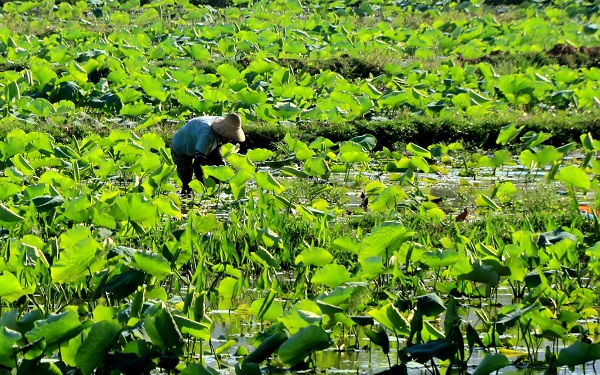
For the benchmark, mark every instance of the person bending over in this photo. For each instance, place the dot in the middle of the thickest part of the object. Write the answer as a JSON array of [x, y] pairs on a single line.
[[199, 142]]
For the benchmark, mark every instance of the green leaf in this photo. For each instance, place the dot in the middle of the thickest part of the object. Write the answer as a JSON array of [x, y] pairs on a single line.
[[508, 133], [137, 208], [430, 305], [574, 177], [273, 312], [388, 199], [417, 150], [192, 328], [129, 95], [10, 287], [162, 330], [476, 271], [229, 288], [389, 317], [331, 275], [198, 52], [259, 154], [354, 157], [485, 201], [491, 363], [7, 216], [198, 369], [507, 320], [267, 257], [578, 354], [98, 342], [269, 238], [266, 181], [56, 328], [8, 349], [439, 258], [314, 256], [423, 353], [151, 263], [317, 166], [267, 347], [383, 239], [135, 110], [79, 251], [367, 141], [379, 338], [307, 340]]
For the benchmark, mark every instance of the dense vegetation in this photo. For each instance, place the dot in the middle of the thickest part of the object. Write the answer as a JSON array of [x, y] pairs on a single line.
[[409, 165]]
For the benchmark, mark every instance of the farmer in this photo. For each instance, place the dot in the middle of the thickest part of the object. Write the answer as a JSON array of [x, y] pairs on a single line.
[[199, 143]]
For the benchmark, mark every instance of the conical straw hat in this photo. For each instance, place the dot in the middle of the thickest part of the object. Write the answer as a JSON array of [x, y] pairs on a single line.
[[230, 127]]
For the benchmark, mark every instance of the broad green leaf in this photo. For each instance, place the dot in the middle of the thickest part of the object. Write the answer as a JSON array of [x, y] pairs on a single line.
[[129, 95], [389, 316], [137, 208], [574, 177], [307, 340], [8, 347], [98, 342], [192, 328], [417, 150], [286, 110], [509, 319], [267, 348], [197, 52], [266, 181], [10, 287], [229, 288], [135, 110], [367, 141], [439, 258], [259, 154], [485, 201], [267, 257], [578, 353], [418, 162], [162, 330], [383, 240], [508, 133], [430, 305], [388, 199], [318, 167], [491, 363], [78, 252], [7, 216], [331, 275], [379, 338], [314, 256], [261, 66], [151, 263], [500, 158], [476, 271], [423, 353], [56, 328], [272, 313], [355, 157], [348, 244]]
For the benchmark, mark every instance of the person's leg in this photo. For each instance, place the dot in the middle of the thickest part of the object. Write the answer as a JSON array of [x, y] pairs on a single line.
[[183, 163]]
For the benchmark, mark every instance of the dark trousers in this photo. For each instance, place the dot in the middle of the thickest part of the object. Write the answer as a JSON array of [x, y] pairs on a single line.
[[186, 170]]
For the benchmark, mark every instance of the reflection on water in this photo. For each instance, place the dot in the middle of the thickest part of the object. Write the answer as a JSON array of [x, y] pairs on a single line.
[[367, 360]]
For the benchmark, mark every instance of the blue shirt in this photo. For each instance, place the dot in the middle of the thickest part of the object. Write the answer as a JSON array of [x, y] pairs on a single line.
[[196, 137]]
